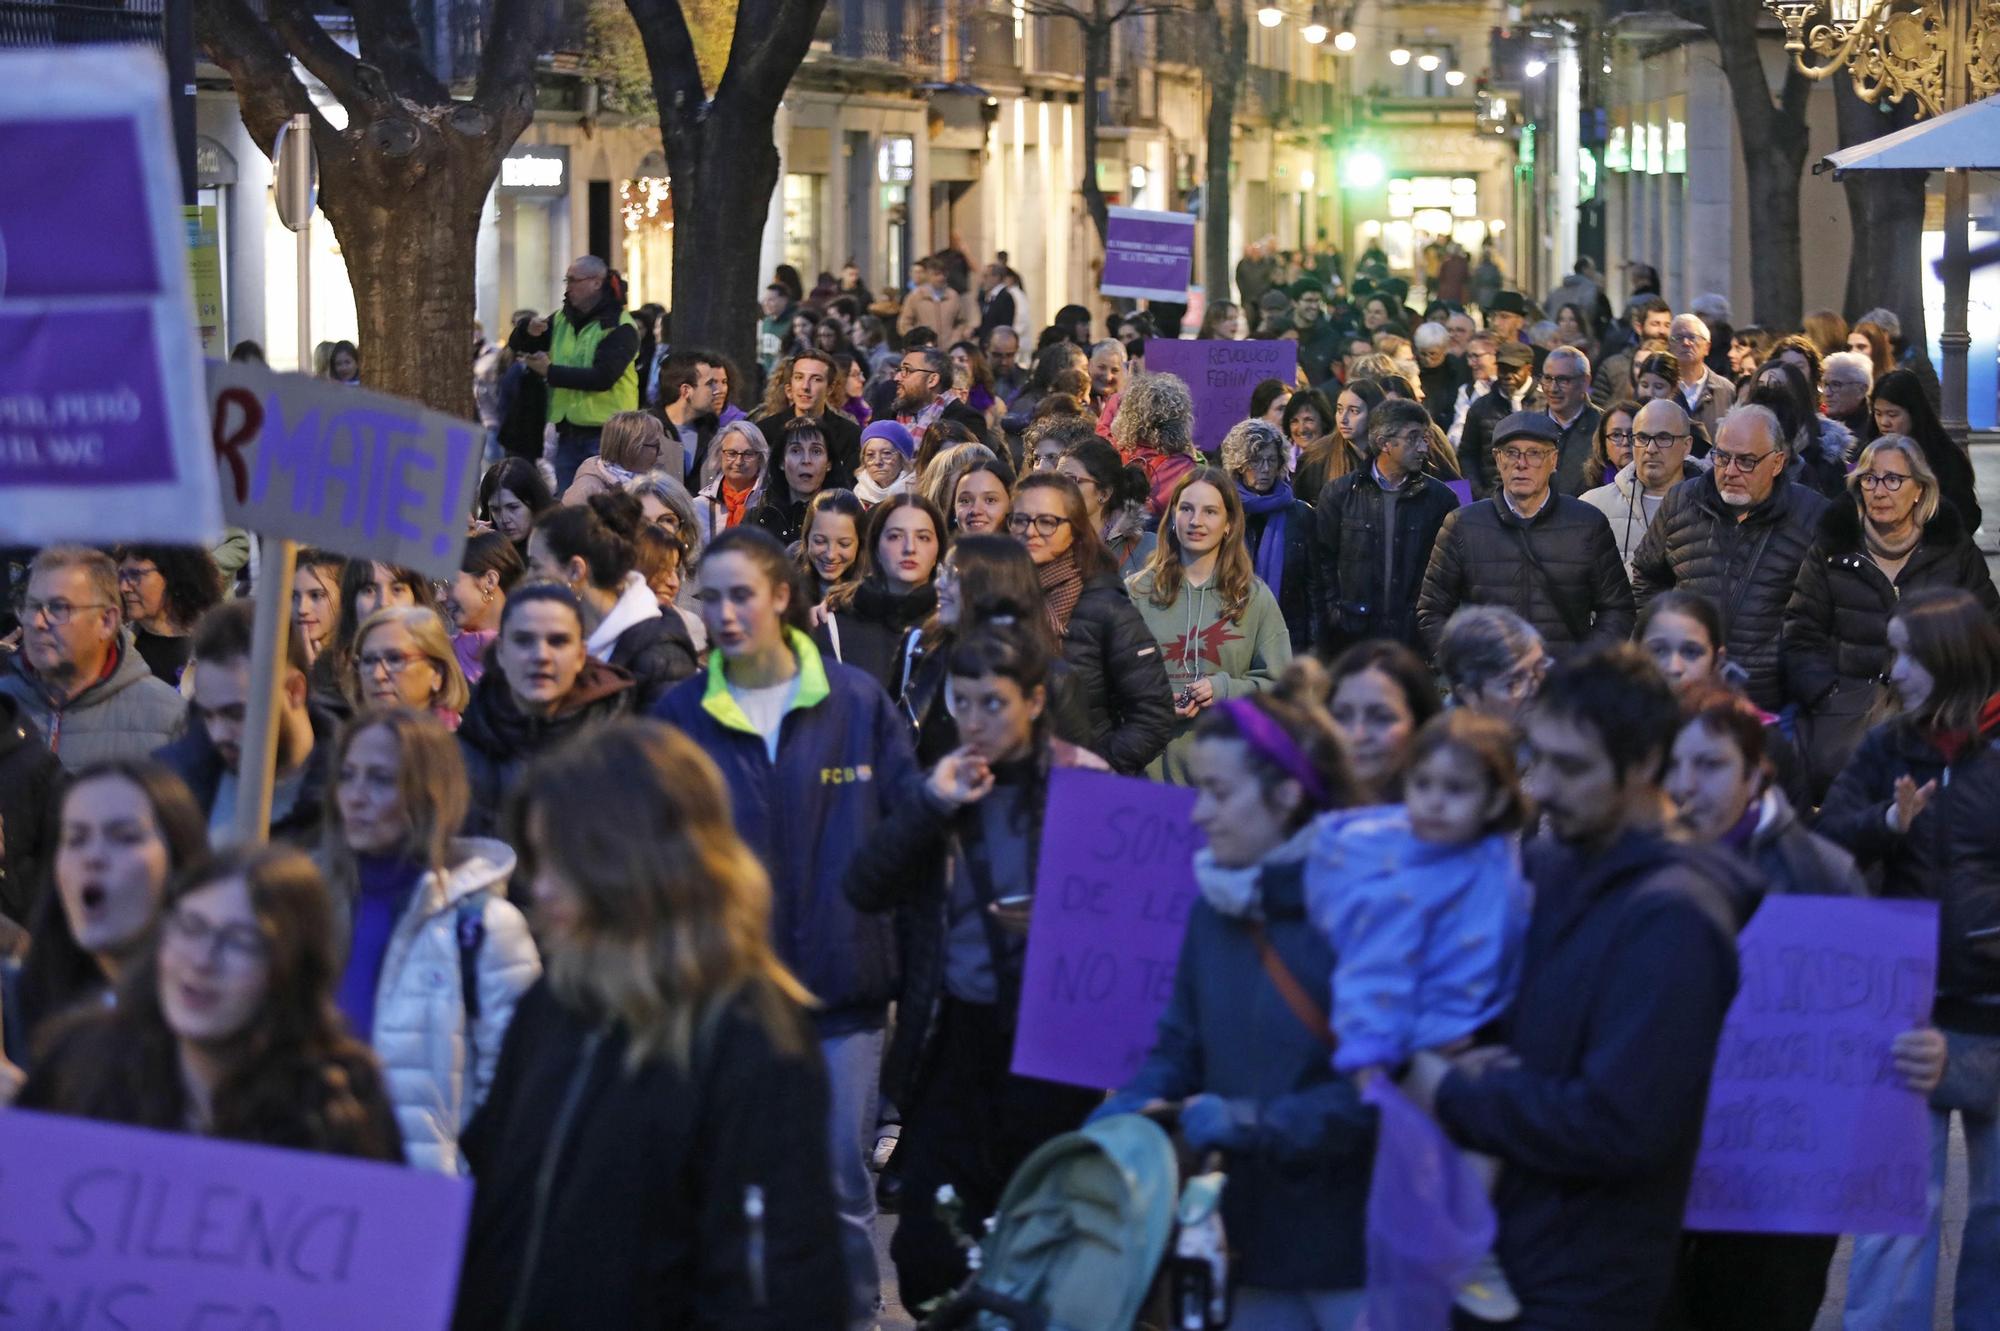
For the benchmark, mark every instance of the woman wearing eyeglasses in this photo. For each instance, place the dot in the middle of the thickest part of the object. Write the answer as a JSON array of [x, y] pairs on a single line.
[[1892, 536], [226, 1026], [402, 657]]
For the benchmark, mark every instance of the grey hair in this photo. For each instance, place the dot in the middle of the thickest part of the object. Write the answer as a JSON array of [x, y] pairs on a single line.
[[711, 465], [1393, 414], [591, 266], [1765, 418], [1850, 360], [1569, 353], [673, 496], [1694, 320], [1481, 643], [1431, 336], [1156, 411], [1108, 344], [1911, 452], [1884, 318], [1245, 438], [1712, 306]]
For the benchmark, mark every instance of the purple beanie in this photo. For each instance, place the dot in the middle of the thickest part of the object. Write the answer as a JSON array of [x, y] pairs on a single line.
[[895, 432]]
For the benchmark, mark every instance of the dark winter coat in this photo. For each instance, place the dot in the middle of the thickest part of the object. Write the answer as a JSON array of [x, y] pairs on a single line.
[[1627, 973], [497, 739], [1440, 384], [843, 445], [1796, 860], [1352, 547], [1836, 632], [869, 633], [1578, 595], [1950, 854], [31, 780], [197, 762], [1124, 679], [658, 654], [1475, 442], [1748, 567], [647, 1219], [844, 763], [922, 704], [1296, 1202]]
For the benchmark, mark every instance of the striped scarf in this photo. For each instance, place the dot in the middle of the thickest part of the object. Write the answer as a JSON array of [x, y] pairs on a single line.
[[1062, 585]]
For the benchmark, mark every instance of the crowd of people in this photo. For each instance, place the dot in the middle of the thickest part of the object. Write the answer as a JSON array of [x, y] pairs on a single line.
[[662, 871]]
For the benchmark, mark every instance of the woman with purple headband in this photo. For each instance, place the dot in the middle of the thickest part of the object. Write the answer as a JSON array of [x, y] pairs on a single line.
[[1244, 1044]]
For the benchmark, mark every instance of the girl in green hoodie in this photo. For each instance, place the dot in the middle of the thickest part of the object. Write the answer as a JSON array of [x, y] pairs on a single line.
[[1220, 631]]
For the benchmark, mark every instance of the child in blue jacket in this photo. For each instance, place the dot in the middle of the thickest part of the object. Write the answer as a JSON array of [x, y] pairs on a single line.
[[1426, 906]]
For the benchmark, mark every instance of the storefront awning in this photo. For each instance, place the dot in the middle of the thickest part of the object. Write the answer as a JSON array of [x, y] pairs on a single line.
[[1968, 138]]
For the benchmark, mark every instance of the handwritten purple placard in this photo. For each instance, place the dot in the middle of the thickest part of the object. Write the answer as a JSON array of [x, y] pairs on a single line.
[[1148, 255], [1809, 1129], [1112, 896], [104, 1226], [1220, 377]]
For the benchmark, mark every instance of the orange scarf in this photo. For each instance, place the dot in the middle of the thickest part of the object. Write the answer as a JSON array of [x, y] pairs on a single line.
[[736, 501]]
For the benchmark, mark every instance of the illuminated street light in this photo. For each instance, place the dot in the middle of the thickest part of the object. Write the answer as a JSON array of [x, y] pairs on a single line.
[[1399, 56], [1314, 33], [1362, 170], [1270, 16], [1535, 68], [1454, 77], [1428, 62], [1344, 41]]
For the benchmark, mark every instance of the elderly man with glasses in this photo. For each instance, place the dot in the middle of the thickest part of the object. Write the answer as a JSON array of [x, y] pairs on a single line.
[[1737, 535], [1548, 557], [1566, 397], [78, 676], [1661, 437], [1705, 394]]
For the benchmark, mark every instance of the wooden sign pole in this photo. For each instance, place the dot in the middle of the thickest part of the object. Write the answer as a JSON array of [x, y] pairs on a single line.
[[266, 698]]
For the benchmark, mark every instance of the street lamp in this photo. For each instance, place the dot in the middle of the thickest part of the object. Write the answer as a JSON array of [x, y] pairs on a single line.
[[1535, 68], [1923, 49], [1454, 77], [1399, 56], [1314, 32], [1344, 41], [1270, 16], [1428, 62]]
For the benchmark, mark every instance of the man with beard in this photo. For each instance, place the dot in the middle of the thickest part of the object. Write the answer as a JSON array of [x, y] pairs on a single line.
[[1319, 340], [924, 396], [1594, 1107], [210, 756], [806, 376], [586, 351]]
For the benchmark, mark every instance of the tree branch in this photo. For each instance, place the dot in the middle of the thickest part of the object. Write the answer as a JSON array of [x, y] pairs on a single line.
[[514, 41], [388, 38], [769, 44], [323, 58], [663, 30], [261, 70], [1792, 97]]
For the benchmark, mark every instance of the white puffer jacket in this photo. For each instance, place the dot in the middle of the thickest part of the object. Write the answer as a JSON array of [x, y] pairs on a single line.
[[420, 1026]]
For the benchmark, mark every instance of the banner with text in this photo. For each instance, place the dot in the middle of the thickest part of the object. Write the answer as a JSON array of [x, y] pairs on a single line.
[[1220, 377], [324, 464], [101, 429], [1112, 896], [106, 1226], [1809, 1129], [1148, 255]]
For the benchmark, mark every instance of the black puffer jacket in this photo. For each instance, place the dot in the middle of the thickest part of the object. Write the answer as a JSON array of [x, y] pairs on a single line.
[[1481, 559], [868, 634], [937, 733], [1117, 661], [1350, 553], [31, 777], [1475, 442], [1748, 567], [657, 654], [1837, 624], [1950, 854], [498, 739]]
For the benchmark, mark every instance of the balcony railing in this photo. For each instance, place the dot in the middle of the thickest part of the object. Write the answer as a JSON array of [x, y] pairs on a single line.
[[33, 23]]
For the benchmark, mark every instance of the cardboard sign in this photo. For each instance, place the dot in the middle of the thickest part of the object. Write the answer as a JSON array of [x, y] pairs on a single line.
[[1221, 376], [101, 429], [105, 1226], [1809, 1129], [325, 464], [1112, 896], [1148, 255]]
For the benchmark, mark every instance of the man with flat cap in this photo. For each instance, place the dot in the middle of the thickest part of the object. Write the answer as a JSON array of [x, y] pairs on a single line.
[[1514, 389], [1548, 557]]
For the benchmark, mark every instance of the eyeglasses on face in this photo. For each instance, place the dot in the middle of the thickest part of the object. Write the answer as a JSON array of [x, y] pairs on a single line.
[[739, 455], [1656, 442], [241, 945], [56, 612], [1570, 380], [132, 577], [1044, 524], [1892, 481], [1738, 462], [394, 662], [1515, 457]]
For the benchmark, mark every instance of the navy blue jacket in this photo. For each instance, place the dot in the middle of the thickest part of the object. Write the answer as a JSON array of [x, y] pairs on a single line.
[[1628, 971], [844, 761], [1297, 1201]]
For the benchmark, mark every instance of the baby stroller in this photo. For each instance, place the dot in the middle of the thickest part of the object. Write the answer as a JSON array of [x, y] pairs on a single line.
[[1080, 1236]]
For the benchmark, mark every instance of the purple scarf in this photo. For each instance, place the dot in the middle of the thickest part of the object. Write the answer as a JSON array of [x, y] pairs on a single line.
[[1269, 560]]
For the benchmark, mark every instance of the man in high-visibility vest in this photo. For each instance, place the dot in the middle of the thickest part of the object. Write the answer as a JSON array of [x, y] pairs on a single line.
[[586, 351]]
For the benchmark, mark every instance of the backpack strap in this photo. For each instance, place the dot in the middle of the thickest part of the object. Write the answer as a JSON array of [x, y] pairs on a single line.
[[1578, 629], [1310, 1014]]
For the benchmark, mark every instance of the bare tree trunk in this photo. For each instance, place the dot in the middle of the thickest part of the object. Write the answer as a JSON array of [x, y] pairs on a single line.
[[722, 158], [1225, 65], [1885, 210], [1773, 135], [1096, 64]]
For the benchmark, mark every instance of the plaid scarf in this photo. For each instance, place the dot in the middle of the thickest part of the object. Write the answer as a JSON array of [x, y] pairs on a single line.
[[1062, 585]]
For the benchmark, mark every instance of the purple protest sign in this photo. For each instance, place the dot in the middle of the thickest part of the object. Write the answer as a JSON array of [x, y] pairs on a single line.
[[123, 1227], [1809, 1129], [1112, 895], [87, 409], [1220, 377], [77, 232], [1148, 255], [1463, 489]]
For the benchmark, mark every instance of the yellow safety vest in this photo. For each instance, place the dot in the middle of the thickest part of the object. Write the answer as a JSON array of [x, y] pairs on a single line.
[[577, 348]]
